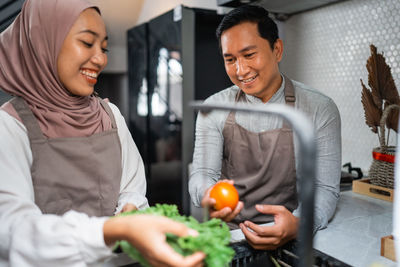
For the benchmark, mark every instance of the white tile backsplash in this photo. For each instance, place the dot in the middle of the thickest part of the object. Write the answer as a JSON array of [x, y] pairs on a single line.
[[327, 48]]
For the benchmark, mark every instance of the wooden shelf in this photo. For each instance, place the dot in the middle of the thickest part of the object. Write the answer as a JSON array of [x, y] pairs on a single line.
[[387, 247], [364, 187]]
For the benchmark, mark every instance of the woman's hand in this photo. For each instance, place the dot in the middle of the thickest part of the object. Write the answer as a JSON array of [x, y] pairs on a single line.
[[147, 234], [129, 207], [226, 214], [271, 237]]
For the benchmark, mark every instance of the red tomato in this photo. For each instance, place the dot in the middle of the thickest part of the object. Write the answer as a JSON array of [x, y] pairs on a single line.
[[225, 195]]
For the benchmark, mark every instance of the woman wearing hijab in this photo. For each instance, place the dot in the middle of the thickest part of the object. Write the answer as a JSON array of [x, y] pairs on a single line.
[[67, 159]]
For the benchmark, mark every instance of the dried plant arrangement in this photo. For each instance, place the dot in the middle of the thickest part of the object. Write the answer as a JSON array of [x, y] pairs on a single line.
[[381, 110]]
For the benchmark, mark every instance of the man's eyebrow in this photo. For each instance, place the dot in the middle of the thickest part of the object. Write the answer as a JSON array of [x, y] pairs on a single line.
[[93, 33], [250, 47]]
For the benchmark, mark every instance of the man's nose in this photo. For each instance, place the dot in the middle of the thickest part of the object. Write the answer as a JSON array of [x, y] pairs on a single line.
[[242, 68]]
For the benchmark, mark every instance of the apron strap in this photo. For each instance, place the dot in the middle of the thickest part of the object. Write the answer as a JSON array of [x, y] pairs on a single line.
[[231, 117], [27, 118], [31, 124], [290, 98], [239, 95], [109, 112]]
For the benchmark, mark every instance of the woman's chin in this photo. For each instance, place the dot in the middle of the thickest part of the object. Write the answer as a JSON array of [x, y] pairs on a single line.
[[82, 92]]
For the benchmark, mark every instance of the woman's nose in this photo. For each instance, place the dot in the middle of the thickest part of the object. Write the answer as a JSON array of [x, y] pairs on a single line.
[[100, 59]]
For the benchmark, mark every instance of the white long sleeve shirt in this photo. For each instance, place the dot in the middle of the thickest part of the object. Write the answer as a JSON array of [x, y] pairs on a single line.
[[30, 238], [320, 109]]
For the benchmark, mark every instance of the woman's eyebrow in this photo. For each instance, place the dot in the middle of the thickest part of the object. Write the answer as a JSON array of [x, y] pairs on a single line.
[[93, 33]]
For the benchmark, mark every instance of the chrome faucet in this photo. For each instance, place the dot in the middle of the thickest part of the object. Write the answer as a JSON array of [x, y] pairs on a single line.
[[307, 149]]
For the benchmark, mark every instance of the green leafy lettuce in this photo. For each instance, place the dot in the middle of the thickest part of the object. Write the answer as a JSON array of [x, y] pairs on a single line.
[[213, 238]]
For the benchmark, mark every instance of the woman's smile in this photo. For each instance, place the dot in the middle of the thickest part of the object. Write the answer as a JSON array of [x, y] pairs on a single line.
[[89, 75]]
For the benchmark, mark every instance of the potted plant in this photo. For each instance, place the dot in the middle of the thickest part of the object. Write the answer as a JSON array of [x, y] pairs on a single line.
[[381, 109]]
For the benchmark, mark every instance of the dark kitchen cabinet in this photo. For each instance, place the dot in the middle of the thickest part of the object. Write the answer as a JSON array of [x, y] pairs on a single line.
[[173, 59]]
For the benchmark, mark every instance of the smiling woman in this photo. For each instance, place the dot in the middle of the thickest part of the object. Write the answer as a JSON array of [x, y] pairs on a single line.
[[67, 159], [83, 54]]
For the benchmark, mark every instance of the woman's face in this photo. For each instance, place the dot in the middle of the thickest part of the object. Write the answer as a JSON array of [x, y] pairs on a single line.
[[83, 54]]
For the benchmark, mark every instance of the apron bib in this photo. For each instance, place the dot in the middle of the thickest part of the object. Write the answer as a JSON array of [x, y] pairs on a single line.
[[261, 164], [74, 173]]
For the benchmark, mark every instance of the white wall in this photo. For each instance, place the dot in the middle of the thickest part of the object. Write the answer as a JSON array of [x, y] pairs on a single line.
[[117, 59], [327, 48]]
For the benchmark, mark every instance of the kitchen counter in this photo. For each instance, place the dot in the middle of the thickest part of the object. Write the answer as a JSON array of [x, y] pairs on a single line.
[[354, 234]]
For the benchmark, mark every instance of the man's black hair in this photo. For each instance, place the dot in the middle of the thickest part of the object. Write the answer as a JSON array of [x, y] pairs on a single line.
[[248, 13]]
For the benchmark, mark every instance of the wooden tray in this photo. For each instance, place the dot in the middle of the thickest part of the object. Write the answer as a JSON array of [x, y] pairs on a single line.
[[364, 187], [387, 247]]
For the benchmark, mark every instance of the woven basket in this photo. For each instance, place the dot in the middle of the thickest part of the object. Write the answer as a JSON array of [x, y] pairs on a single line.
[[381, 171]]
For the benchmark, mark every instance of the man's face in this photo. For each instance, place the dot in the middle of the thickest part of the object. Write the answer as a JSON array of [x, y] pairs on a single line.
[[250, 62]]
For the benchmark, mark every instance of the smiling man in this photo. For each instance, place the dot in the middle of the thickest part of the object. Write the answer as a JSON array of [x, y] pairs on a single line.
[[257, 152]]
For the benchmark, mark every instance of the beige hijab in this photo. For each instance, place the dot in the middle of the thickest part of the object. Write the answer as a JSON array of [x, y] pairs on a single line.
[[28, 68]]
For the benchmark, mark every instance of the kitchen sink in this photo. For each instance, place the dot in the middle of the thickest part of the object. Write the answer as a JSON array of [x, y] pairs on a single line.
[[285, 256]]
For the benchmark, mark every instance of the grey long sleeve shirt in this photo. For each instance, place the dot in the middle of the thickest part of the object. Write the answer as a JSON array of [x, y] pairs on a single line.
[[322, 111]]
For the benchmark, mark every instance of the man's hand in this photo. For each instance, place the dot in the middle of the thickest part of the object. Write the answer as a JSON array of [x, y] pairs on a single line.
[[226, 214], [147, 234], [271, 237]]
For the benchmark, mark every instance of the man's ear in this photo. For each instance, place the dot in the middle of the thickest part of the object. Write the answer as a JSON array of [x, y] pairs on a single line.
[[278, 49]]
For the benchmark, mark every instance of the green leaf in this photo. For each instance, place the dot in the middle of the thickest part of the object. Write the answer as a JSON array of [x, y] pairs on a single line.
[[213, 238]]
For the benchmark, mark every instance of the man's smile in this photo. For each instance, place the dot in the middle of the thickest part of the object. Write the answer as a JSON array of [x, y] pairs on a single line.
[[249, 80]]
